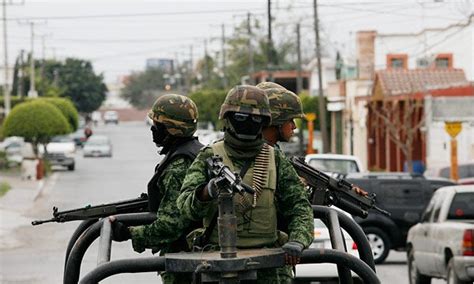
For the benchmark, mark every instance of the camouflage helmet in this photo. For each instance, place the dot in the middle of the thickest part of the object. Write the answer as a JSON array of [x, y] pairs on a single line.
[[246, 99], [269, 85], [284, 105], [177, 113]]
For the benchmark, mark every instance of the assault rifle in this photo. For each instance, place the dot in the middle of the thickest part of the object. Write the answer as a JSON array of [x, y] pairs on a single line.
[[337, 192], [139, 204], [226, 179]]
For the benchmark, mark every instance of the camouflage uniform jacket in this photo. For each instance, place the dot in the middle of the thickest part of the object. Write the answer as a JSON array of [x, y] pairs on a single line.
[[170, 224], [290, 197]]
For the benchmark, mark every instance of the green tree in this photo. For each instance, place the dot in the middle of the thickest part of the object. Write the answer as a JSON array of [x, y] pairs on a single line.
[[67, 109], [209, 103], [74, 79], [142, 88], [37, 121], [85, 89], [311, 105]]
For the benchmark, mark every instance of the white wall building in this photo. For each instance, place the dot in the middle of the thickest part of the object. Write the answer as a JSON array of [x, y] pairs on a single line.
[[422, 48]]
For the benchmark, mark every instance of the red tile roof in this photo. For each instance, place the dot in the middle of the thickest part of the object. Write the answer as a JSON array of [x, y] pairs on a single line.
[[397, 82]]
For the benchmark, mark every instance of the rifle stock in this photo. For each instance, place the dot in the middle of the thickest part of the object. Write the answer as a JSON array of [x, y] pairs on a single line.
[[135, 205], [337, 192]]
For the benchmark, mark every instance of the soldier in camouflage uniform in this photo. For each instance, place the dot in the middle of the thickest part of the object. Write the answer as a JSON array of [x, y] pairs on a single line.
[[285, 106], [277, 188], [174, 123]]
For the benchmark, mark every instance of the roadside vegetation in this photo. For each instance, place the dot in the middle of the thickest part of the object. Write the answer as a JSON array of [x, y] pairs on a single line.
[[4, 188]]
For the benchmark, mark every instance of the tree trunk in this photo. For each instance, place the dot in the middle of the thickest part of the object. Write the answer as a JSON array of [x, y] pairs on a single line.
[[409, 160]]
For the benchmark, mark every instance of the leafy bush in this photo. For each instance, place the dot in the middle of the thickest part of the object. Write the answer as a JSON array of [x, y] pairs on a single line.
[[4, 188], [209, 104], [68, 110], [37, 121]]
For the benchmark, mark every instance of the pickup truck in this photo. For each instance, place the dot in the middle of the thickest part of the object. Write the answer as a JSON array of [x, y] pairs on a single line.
[[405, 196], [442, 244], [60, 152]]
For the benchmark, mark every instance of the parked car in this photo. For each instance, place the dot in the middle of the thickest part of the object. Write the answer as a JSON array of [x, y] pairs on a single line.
[[12, 146], [405, 196], [61, 151], [111, 116], [97, 146], [442, 244], [322, 272], [335, 164]]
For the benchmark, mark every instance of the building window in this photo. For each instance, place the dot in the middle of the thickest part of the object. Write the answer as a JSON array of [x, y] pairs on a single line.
[[397, 61], [444, 61]]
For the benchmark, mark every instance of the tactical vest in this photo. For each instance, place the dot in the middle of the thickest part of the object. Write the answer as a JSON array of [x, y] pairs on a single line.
[[256, 214], [188, 149]]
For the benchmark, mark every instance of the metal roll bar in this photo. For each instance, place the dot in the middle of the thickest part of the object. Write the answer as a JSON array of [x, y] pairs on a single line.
[[83, 226], [333, 219], [73, 264], [157, 263], [353, 229]]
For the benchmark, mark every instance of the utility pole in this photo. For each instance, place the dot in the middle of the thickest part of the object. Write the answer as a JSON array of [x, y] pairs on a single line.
[[224, 69], [21, 73], [206, 61], [32, 92], [251, 64], [322, 105], [6, 91], [299, 83], [270, 42]]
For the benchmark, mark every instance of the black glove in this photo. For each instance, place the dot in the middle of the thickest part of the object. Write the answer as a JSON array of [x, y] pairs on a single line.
[[120, 232], [212, 189], [293, 252]]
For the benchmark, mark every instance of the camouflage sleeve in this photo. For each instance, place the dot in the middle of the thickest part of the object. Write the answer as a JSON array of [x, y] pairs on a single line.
[[169, 223], [293, 202], [196, 177]]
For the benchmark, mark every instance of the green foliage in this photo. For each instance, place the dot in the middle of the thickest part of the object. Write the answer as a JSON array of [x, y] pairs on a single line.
[[67, 109], [4, 188], [209, 103], [311, 105], [142, 88], [82, 85], [74, 79], [37, 121]]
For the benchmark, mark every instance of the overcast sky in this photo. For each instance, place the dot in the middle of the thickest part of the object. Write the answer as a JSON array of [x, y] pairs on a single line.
[[118, 36]]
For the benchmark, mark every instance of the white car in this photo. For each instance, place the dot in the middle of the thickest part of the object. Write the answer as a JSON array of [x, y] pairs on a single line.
[[323, 271], [111, 116], [97, 146], [335, 163]]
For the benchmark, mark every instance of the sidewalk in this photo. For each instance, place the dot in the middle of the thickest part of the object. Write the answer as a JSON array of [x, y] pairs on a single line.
[[18, 200]]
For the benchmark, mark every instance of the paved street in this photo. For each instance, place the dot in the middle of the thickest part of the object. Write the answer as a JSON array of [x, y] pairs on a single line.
[[35, 254]]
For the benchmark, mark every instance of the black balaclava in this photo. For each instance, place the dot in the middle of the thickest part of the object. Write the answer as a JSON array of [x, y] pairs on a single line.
[[245, 126], [236, 132]]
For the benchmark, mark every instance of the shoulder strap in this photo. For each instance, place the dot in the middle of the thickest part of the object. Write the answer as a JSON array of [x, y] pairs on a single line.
[[188, 149]]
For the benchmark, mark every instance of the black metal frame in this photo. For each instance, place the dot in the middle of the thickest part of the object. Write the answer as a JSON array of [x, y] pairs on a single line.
[[243, 266]]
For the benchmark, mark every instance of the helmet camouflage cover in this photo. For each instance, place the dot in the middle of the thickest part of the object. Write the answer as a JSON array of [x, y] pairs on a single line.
[[269, 85], [177, 113], [246, 99], [284, 105]]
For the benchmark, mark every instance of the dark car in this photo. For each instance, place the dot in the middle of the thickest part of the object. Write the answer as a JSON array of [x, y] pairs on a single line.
[[405, 196]]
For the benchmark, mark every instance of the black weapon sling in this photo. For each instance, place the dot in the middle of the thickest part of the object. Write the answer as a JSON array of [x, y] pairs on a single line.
[[188, 149], [204, 238]]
